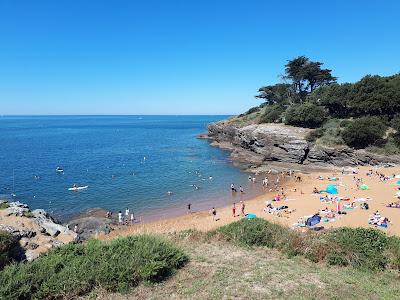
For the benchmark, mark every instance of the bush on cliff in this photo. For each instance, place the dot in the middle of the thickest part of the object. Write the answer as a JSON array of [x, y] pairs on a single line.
[[364, 132], [272, 114], [305, 115], [75, 269], [357, 247], [7, 242]]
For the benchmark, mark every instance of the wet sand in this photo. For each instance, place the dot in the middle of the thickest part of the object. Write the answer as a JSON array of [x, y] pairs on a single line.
[[300, 198]]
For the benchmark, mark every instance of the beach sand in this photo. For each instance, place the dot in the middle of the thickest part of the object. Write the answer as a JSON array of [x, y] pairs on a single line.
[[300, 198]]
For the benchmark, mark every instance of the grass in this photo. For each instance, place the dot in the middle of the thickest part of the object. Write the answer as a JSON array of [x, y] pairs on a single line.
[[76, 269], [223, 270], [4, 205], [248, 259]]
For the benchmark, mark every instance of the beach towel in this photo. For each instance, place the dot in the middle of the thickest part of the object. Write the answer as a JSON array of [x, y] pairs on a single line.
[[364, 187]]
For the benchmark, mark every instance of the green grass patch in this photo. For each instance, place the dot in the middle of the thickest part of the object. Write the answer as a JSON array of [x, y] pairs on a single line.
[[76, 269], [4, 205]]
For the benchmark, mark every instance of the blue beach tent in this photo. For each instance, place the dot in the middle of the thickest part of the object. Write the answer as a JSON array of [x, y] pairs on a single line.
[[331, 189], [314, 220]]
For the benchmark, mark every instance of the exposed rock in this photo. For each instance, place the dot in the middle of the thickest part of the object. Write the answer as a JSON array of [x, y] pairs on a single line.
[[261, 143], [34, 231], [31, 255], [89, 226], [19, 233]]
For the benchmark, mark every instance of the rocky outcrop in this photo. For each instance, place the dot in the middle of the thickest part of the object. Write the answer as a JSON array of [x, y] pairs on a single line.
[[35, 230], [260, 143], [91, 223]]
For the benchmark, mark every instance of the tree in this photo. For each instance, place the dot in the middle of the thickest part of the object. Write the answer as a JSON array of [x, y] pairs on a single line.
[[307, 75], [275, 94], [335, 98]]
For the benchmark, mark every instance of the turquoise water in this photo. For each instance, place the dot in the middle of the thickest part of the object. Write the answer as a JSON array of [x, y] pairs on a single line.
[[107, 154]]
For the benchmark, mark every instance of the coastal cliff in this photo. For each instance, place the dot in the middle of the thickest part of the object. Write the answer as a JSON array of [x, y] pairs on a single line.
[[265, 143]]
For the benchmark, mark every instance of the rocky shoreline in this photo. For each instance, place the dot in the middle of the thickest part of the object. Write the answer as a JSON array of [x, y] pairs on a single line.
[[262, 144], [35, 231]]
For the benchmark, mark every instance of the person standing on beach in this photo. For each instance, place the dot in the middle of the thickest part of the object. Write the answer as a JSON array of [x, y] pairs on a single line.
[[189, 206], [214, 214], [127, 213], [132, 218], [234, 210], [242, 207], [120, 218]]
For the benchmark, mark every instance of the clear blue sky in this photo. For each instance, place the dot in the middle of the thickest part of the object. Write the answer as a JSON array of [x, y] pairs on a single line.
[[180, 57]]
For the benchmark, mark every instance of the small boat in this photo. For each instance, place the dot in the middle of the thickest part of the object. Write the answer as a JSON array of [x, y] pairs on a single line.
[[59, 170], [78, 188]]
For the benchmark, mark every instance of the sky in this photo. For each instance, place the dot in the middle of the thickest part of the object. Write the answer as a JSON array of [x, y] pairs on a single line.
[[180, 57]]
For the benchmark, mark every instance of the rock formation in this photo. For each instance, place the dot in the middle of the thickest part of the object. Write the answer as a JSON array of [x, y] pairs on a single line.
[[36, 231], [263, 143]]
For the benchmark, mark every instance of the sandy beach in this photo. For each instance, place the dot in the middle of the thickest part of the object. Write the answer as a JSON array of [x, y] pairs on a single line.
[[301, 200]]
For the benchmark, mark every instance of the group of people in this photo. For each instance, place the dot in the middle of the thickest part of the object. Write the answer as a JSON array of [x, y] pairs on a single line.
[[125, 219]]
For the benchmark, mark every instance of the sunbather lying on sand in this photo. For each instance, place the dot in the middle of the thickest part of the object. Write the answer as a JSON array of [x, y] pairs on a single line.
[[393, 205]]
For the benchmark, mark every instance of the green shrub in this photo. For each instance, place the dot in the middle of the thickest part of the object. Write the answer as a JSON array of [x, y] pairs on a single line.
[[312, 136], [364, 132], [253, 232], [393, 252], [75, 269], [305, 115], [272, 114], [359, 247], [7, 242], [345, 123]]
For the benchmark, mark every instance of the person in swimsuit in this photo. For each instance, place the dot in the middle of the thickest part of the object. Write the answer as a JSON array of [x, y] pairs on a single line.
[[234, 210]]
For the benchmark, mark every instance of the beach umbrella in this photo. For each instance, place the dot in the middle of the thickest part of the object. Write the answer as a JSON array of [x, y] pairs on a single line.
[[398, 182], [331, 189], [364, 187]]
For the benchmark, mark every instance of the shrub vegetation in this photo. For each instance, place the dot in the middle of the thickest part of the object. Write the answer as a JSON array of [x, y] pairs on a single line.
[[75, 269], [364, 132], [305, 115], [7, 242], [358, 247]]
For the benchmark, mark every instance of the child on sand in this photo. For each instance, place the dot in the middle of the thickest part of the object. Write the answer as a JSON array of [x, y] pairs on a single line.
[[242, 207]]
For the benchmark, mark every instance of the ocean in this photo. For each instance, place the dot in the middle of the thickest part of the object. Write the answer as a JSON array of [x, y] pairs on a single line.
[[126, 161]]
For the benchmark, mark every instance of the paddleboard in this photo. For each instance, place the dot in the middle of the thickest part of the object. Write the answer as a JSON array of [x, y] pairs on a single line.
[[78, 188]]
